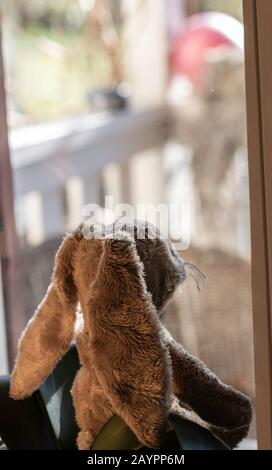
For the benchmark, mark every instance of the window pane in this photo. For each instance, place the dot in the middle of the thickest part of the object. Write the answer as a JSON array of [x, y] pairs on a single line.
[[210, 148], [143, 102]]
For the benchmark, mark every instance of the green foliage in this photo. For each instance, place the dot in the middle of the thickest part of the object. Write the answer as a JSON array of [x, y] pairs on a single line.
[[54, 59], [48, 85], [232, 7], [49, 13]]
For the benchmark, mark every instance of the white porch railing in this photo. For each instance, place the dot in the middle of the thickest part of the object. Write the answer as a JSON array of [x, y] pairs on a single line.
[[45, 156]]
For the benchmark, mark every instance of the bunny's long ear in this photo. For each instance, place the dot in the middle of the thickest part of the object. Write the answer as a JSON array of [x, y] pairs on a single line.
[[131, 363], [48, 334], [215, 402]]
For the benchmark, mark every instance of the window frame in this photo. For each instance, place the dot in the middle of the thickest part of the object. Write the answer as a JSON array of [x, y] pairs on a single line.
[[258, 71], [9, 259]]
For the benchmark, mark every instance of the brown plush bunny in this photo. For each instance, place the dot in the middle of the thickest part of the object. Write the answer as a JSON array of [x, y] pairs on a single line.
[[130, 364]]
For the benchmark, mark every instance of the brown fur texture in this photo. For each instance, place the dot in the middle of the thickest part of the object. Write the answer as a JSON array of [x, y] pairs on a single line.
[[130, 364]]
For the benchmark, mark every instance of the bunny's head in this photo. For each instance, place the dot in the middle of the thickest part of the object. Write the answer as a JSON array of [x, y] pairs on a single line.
[[163, 270]]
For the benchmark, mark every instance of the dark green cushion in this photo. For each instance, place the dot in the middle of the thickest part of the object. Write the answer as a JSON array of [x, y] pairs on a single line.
[[57, 399], [47, 421], [181, 434]]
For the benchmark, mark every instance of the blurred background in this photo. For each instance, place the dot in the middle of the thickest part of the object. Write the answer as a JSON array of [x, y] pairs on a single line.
[[142, 100]]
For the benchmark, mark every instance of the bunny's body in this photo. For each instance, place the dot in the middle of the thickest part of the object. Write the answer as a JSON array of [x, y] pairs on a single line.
[[130, 365]]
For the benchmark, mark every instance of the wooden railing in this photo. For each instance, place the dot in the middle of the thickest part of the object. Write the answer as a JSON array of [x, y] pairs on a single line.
[[45, 156]]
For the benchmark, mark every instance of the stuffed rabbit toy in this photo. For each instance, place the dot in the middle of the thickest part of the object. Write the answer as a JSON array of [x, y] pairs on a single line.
[[130, 364]]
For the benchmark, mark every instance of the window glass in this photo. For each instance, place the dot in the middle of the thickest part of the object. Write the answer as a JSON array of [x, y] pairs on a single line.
[[143, 102]]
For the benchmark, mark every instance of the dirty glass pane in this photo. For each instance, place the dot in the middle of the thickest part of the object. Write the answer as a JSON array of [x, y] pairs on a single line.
[[210, 154]]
